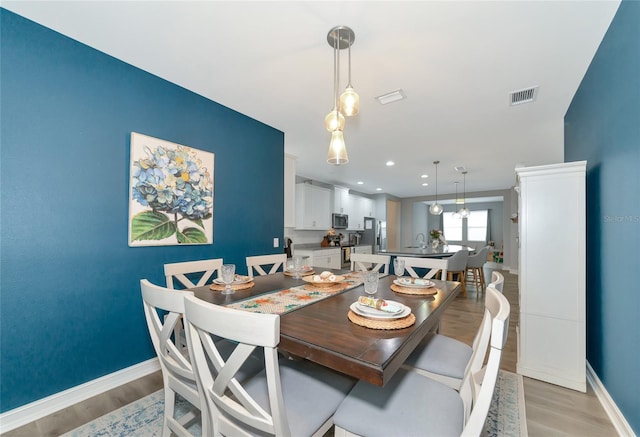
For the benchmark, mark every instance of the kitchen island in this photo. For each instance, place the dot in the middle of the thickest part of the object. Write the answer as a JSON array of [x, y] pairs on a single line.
[[442, 251]]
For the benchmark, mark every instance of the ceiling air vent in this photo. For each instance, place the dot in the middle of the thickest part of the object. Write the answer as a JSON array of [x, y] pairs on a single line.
[[524, 96]]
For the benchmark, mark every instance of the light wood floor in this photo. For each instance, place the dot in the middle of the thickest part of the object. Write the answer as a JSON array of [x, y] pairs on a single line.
[[551, 410]]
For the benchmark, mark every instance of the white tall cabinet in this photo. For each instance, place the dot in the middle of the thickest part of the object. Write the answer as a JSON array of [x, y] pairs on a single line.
[[551, 221]]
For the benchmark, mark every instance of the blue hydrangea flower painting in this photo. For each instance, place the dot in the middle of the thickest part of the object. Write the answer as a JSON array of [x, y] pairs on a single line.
[[171, 193]]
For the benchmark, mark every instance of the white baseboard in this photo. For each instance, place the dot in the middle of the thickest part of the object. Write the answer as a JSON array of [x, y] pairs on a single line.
[[43, 407], [610, 407]]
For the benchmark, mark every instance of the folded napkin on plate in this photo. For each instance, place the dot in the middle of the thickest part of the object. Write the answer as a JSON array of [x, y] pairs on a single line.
[[379, 304]]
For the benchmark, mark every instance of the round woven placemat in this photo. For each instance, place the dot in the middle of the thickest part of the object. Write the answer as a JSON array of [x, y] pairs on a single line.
[[307, 273], [404, 322], [336, 287], [419, 291], [216, 287]]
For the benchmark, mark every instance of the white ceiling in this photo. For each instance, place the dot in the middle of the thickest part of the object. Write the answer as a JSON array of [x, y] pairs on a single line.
[[457, 62]]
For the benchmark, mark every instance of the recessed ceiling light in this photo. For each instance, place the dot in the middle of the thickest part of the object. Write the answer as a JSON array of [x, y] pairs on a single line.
[[391, 97], [360, 183], [460, 168], [378, 189], [390, 163], [424, 184], [424, 176]]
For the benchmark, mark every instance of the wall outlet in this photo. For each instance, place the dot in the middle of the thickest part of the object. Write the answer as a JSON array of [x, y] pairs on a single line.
[[276, 242]]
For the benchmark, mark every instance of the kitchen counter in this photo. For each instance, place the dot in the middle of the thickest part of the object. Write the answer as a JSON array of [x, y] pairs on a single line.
[[427, 252]]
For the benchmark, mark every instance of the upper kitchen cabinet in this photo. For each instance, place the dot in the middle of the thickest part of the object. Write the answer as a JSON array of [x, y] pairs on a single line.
[[360, 207], [289, 191], [313, 207], [341, 200]]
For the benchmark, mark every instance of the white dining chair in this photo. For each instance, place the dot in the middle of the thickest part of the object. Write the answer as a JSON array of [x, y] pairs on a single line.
[[288, 398], [177, 373], [366, 261], [434, 265], [200, 272], [446, 359], [475, 268], [260, 262], [413, 405]]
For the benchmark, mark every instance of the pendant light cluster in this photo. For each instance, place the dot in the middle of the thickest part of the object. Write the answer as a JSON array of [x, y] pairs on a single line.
[[347, 104], [436, 208]]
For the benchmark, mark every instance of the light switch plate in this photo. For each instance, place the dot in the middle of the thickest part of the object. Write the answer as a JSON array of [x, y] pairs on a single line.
[[276, 242]]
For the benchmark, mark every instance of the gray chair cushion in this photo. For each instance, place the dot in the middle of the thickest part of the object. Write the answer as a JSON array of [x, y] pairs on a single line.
[[442, 355], [311, 394], [409, 405]]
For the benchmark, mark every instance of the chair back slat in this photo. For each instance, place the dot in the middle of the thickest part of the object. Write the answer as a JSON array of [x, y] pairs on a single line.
[[178, 271], [258, 263], [364, 262], [497, 280], [434, 265]]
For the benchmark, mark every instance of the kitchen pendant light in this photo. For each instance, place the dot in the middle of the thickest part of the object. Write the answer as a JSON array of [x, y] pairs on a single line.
[[349, 100], [464, 212], [436, 208], [340, 37], [337, 150]]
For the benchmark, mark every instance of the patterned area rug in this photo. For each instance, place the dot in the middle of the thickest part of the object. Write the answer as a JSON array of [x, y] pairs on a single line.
[[144, 417]]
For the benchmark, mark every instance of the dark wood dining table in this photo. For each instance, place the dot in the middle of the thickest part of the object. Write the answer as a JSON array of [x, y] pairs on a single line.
[[322, 332]]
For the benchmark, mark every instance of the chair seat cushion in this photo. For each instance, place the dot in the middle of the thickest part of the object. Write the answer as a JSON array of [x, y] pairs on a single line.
[[311, 394], [409, 405], [441, 355]]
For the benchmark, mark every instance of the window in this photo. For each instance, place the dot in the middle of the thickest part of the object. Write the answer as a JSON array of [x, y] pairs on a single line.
[[452, 227], [473, 228], [477, 225]]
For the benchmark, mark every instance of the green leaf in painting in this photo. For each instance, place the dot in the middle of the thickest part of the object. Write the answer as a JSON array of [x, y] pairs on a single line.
[[151, 225], [191, 236]]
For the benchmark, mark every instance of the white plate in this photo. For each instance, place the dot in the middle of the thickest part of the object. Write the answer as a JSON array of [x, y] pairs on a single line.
[[425, 283], [377, 312], [383, 316], [240, 279]]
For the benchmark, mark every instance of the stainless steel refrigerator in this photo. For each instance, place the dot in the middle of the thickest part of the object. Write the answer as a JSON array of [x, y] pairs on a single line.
[[375, 234]]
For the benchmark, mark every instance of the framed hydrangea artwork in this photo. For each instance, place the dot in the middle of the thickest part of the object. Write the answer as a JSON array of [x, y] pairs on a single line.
[[171, 193]]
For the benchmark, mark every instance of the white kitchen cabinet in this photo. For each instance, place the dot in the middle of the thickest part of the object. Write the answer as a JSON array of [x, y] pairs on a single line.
[[551, 221], [289, 191], [363, 249], [313, 207], [341, 204], [321, 258], [360, 207]]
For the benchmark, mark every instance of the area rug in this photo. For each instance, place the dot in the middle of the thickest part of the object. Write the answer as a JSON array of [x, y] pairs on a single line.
[[144, 417]]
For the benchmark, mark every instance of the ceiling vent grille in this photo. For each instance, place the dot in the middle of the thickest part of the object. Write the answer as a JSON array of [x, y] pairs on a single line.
[[523, 96]]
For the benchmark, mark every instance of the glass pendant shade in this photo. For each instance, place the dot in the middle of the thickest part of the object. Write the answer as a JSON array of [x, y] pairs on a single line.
[[464, 212], [435, 209], [456, 215], [337, 150], [334, 121], [349, 102]]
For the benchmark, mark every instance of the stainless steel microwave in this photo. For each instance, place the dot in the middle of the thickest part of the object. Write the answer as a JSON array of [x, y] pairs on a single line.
[[339, 221]]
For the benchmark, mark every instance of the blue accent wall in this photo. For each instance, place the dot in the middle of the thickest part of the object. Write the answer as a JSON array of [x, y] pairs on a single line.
[[602, 126], [70, 298]]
